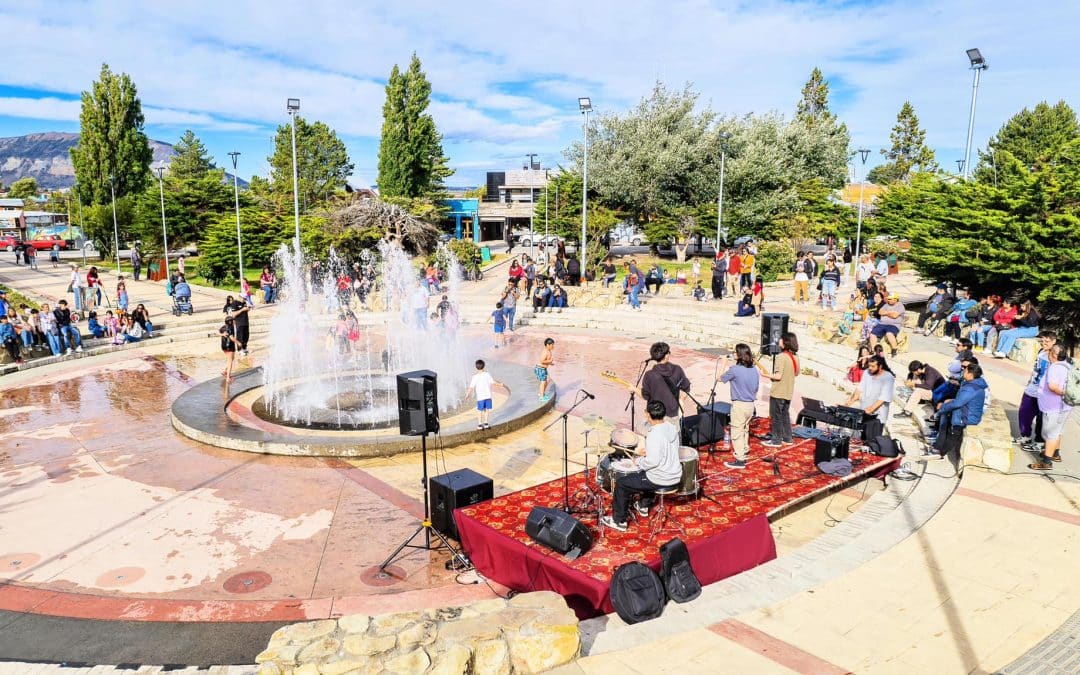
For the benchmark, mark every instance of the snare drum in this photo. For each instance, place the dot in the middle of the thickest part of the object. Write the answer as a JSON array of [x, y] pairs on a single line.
[[623, 439], [606, 473], [688, 458]]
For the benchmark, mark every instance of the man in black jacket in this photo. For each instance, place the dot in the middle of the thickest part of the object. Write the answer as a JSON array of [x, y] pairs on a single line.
[[664, 381], [68, 330]]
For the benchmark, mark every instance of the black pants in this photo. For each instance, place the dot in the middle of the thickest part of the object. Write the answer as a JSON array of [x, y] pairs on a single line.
[[629, 485], [718, 288], [12, 347], [949, 439], [136, 269], [243, 333], [952, 329], [649, 283], [780, 416]]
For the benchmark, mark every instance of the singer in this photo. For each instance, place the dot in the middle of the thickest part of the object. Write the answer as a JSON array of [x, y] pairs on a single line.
[[664, 381]]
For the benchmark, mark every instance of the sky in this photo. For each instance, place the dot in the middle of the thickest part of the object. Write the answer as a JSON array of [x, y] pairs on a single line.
[[506, 76]]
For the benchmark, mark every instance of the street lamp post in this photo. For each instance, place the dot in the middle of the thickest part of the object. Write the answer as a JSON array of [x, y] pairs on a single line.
[[978, 64], [960, 166], [585, 105], [115, 227], [546, 181], [82, 225], [236, 194], [863, 154], [164, 231], [293, 106], [724, 136]]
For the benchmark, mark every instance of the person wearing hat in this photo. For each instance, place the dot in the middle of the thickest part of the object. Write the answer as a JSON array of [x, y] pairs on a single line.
[[891, 322], [958, 318], [938, 307]]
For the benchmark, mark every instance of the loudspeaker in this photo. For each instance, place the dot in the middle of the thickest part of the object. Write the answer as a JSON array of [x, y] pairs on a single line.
[[559, 531], [704, 428], [418, 403], [773, 326], [454, 490], [831, 446]]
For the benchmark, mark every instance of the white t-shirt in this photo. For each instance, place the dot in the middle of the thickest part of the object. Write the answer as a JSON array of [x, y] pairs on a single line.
[[864, 271], [883, 268], [481, 384], [879, 388]]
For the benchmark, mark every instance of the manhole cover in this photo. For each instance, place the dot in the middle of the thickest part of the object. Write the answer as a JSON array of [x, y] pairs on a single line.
[[247, 582], [373, 576]]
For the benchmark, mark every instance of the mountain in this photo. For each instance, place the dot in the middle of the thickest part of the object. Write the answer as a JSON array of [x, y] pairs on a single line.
[[45, 156]]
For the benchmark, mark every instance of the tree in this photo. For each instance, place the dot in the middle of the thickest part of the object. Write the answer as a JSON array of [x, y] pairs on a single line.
[[1029, 136], [411, 160], [24, 188], [813, 107], [376, 219], [321, 159], [190, 158], [263, 234], [191, 204], [909, 151], [111, 142]]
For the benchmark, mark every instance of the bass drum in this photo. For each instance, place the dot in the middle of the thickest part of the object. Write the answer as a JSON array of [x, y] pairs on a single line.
[[606, 473], [688, 458]]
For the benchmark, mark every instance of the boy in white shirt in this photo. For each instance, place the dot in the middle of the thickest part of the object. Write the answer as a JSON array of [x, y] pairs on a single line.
[[482, 383]]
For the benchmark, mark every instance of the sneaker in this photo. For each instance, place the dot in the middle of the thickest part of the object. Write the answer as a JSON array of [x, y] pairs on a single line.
[[998, 355], [608, 521], [69, 350], [902, 413], [79, 349], [945, 338], [772, 444], [735, 464], [1041, 465], [1022, 440], [894, 352], [643, 511]]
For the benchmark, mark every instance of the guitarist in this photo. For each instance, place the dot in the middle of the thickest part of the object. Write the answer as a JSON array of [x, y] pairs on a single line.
[[664, 381]]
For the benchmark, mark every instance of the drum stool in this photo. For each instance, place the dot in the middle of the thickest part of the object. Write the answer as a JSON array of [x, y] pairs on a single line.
[[660, 517]]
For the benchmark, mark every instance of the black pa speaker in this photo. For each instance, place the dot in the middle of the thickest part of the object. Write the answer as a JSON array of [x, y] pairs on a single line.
[[773, 327], [703, 428], [418, 403], [454, 490], [558, 530], [830, 446]]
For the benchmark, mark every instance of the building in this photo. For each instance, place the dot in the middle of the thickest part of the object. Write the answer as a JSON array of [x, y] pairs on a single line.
[[11, 217], [463, 214], [510, 201], [45, 222]]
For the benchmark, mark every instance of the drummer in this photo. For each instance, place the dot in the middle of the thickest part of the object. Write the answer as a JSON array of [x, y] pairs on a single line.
[[659, 468]]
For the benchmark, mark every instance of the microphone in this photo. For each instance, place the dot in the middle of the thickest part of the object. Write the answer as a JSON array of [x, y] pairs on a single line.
[[587, 393]]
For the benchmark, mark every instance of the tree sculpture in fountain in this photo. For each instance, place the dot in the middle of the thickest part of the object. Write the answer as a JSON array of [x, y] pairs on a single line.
[[390, 221]]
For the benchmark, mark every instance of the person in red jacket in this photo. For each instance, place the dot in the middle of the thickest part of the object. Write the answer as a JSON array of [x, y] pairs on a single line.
[[734, 270]]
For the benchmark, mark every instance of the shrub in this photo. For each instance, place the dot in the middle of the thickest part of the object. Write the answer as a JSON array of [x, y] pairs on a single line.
[[774, 258]]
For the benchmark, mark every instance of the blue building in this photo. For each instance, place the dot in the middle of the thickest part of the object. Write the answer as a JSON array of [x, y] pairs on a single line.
[[465, 214]]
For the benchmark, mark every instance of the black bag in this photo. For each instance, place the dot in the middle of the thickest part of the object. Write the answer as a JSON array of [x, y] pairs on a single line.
[[883, 446], [675, 571], [637, 593]]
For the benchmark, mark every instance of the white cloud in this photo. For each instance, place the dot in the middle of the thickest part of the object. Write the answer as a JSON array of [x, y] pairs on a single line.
[[46, 108]]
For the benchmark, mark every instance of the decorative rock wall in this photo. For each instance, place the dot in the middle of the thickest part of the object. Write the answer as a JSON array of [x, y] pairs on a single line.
[[530, 633]]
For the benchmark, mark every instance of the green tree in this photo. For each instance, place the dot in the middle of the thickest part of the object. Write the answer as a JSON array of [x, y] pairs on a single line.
[[263, 234], [1029, 136], [190, 159], [24, 188], [411, 160], [112, 145], [191, 205], [908, 152], [813, 107], [321, 159]]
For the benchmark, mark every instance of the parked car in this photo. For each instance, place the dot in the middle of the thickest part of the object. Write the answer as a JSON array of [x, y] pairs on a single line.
[[9, 242], [527, 238], [628, 237], [49, 241]]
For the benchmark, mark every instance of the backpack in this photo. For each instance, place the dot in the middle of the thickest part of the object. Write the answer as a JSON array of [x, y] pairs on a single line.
[[637, 593], [884, 446], [681, 583], [1072, 387]]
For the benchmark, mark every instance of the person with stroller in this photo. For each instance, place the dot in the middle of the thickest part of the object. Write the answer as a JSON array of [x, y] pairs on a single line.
[[181, 296]]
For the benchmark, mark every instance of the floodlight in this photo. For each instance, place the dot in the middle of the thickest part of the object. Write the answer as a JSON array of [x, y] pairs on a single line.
[[976, 58], [292, 104], [585, 104]]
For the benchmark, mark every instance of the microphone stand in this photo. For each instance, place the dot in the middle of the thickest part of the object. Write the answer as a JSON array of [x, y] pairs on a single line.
[[633, 395], [566, 449], [712, 401]]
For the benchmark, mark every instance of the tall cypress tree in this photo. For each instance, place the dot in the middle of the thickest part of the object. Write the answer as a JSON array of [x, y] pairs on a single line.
[[814, 105], [411, 160], [908, 153], [111, 140], [191, 159]]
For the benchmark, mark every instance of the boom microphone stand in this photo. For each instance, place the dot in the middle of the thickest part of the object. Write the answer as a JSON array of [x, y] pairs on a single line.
[[566, 446], [633, 394]]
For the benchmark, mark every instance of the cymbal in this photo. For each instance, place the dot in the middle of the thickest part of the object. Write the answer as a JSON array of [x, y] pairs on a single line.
[[594, 421]]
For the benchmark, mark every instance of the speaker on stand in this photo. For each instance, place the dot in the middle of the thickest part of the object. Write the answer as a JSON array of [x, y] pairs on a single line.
[[418, 415], [773, 327]]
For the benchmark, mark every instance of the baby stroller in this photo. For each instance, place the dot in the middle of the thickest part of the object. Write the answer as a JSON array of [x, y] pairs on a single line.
[[181, 295]]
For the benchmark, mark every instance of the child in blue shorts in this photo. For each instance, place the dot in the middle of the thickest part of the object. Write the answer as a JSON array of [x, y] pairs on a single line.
[[481, 383], [499, 319]]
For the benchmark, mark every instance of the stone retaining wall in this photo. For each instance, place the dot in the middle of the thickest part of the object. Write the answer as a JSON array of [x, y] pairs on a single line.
[[530, 633]]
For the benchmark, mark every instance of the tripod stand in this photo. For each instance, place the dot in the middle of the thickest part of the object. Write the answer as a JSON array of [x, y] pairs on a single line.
[[565, 450], [425, 527], [633, 394]]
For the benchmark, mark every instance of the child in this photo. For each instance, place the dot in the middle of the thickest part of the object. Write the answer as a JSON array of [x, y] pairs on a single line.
[[498, 317], [547, 359], [699, 292], [121, 295], [229, 345], [112, 326], [481, 383], [245, 292], [94, 327]]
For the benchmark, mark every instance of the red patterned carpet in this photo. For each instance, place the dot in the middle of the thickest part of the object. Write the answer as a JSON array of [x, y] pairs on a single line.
[[493, 532]]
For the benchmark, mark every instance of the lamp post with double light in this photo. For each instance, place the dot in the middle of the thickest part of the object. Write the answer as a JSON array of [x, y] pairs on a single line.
[[978, 64], [236, 194], [164, 231], [293, 106], [585, 105], [115, 227], [863, 154], [720, 232]]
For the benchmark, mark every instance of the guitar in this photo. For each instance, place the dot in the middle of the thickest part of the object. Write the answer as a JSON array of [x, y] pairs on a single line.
[[610, 375]]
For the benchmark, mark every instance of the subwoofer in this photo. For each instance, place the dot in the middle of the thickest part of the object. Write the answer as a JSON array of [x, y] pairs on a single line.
[[418, 403], [773, 327], [454, 490], [704, 428], [559, 531]]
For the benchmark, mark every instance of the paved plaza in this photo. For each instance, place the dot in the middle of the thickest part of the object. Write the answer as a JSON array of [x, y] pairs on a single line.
[[124, 544]]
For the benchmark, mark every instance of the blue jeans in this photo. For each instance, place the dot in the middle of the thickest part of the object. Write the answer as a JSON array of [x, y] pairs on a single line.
[[634, 302], [556, 302], [1008, 338], [979, 333], [55, 343], [71, 336], [27, 338], [420, 317], [78, 292], [828, 293], [268, 294], [510, 312]]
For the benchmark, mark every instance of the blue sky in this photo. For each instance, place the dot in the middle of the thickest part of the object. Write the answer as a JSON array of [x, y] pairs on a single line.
[[506, 76]]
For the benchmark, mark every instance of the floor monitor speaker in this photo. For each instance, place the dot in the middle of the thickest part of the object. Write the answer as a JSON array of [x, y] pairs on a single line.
[[558, 530], [454, 490]]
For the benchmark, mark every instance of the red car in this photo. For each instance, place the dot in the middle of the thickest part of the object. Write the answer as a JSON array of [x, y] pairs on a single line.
[[8, 242], [48, 241]]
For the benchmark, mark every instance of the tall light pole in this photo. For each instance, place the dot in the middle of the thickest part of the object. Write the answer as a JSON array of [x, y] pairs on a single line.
[[724, 136], [863, 153], [82, 225], [115, 227], [978, 64], [164, 231], [293, 106], [546, 183], [236, 194], [585, 105]]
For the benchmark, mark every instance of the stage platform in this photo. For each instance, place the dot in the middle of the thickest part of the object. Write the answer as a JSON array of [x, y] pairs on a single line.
[[727, 527]]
